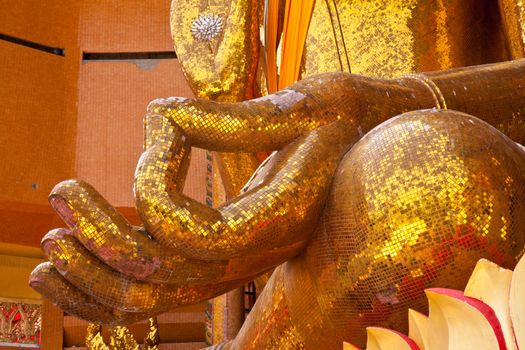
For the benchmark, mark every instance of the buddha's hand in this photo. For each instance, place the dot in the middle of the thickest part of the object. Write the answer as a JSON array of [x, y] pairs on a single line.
[[104, 270]]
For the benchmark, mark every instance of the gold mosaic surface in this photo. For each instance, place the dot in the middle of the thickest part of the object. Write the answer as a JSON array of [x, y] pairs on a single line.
[[431, 193], [448, 188], [413, 204], [513, 17], [224, 67], [388, 38], [446, 200]]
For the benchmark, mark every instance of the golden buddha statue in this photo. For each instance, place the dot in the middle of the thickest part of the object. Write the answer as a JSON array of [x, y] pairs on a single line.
[[379, 189]]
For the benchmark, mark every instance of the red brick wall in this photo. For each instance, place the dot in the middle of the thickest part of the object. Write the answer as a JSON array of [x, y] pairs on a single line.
[[64, 118]]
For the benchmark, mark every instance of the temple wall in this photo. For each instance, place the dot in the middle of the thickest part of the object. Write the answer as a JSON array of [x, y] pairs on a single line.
[[65, 117], [108, 26], [113, 96], [38, 97]]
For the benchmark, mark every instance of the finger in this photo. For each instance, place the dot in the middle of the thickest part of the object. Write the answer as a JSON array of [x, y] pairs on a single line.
[[46, 280], [262, 124], [108, 235], [279, 212], [114, 289]]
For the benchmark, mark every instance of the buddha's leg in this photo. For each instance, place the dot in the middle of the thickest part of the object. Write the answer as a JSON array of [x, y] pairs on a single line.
[[414, 205]]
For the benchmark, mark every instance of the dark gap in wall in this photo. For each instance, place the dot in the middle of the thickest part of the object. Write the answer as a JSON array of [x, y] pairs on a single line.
[[49, 49], [120, 56]]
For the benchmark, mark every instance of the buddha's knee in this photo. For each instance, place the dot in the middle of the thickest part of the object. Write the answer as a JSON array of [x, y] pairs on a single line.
[[414, 205]]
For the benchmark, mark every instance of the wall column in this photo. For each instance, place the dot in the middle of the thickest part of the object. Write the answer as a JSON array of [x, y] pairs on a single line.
[[52, 327]]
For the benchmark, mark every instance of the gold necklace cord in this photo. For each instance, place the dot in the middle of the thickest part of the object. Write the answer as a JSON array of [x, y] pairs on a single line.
[[439, 99]]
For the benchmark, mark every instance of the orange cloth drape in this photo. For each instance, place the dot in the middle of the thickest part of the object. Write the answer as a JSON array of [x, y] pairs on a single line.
[[297, 17], [271, 31], [296, 22]]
